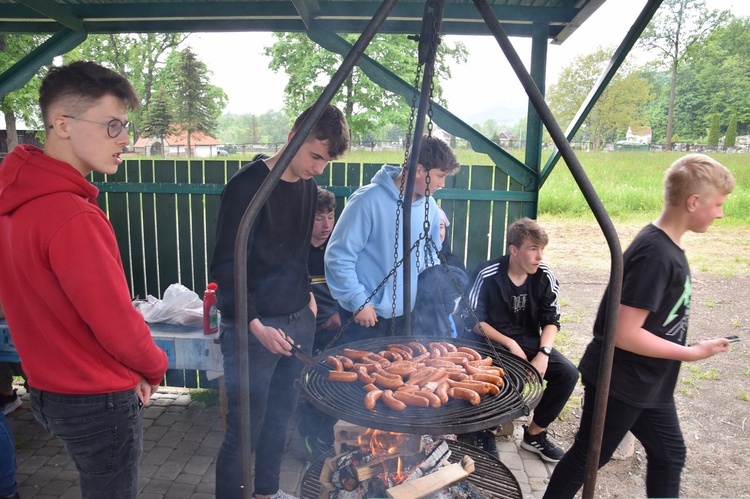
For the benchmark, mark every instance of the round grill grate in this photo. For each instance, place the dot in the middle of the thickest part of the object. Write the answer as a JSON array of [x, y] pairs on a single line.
[[520, 393]]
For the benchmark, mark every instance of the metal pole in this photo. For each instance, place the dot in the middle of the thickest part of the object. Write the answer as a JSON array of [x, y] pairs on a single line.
[[431, 22], [616, 271], [251, 213]]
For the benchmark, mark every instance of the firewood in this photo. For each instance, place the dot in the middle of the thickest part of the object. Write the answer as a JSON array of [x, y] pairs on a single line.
[[428, 484], [374, 467]]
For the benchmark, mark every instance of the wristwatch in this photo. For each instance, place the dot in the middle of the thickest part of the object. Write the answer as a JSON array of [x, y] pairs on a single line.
[[546, 351]]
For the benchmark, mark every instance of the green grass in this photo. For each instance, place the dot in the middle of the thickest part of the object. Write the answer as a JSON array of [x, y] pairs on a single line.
[[209, 398]]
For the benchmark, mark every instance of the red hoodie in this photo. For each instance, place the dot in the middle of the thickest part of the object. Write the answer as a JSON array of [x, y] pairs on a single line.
[[62, 283]]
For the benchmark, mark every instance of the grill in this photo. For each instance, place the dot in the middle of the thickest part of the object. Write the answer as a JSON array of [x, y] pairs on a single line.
[[490, 475], [520, 393]]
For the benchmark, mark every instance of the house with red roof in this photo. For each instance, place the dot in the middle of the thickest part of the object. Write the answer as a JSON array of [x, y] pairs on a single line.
[[202, 146], [639, 134]]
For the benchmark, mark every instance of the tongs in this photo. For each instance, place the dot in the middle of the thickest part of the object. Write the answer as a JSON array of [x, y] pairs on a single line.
[[320, 367]]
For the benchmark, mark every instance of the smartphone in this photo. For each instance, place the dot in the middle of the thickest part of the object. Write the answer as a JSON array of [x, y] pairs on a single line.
[[733, 339]]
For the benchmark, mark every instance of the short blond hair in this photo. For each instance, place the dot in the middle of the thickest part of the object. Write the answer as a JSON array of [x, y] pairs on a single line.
[[695, 174]]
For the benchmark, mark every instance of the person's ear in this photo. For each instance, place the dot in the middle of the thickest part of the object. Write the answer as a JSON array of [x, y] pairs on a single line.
[[60, 127], [289, 137], [691, 202]]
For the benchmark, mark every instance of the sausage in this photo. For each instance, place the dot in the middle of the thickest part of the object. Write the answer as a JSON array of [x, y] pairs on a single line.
[[342, 376], [371, 397], [383, 381], [442, 392], [433, 399], [402, 350], [419, 375], [436, 345], [354, 354], [457, 376], [476, 355], [370, 368], [488, 378], [391, 402], [450, 347], [465, 394], [391, 355], [401, 369], [417, 348], [480, 387], [346, 362], [408, 388], [493, 370], [363, 376], [370, 387], [334, 363], [455, 360], [487, 361], [411, 399]]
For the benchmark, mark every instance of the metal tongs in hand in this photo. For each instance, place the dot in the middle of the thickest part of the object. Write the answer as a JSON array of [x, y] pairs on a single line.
[[320, 367]]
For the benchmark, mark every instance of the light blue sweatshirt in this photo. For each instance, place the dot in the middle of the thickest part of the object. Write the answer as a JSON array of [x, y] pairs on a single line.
[[360, 250]]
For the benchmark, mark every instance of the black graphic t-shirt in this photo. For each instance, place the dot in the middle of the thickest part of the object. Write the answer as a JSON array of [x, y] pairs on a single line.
[[657, 279], [519, 304]]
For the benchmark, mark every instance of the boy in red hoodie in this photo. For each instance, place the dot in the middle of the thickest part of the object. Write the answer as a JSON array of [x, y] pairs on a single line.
[[89, 356]]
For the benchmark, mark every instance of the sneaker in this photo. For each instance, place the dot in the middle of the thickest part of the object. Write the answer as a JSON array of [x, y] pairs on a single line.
[[541, 445], [280, 494], [10, 403], [487, 440], [315, 447]]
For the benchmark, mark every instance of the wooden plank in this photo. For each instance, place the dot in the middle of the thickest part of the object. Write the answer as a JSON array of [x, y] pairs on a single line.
[[186, 262], [499, 215], [166, 226], [479, 221], [117, 212], [460, 217], [198, 229], [429, 484]]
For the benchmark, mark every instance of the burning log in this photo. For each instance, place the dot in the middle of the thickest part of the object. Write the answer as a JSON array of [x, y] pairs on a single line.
[[426, 485]]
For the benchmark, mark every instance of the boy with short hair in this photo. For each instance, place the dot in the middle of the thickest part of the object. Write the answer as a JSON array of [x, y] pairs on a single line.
[[651, 336], [515, 299], [88, 354], [360, 252], [280, 302]]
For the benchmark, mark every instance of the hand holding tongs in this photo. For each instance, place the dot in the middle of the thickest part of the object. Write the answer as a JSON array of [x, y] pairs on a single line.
[[320, 367]]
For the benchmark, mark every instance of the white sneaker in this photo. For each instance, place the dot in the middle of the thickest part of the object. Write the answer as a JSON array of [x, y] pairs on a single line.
[[280, 494], [10, 402]]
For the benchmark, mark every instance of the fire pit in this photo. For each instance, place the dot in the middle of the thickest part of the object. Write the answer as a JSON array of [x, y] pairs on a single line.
[[490, 476], [518, 396]]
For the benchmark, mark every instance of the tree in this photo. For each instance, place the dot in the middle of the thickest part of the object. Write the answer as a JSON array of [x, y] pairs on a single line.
[[713, 131], [730, 138], [198, 104], [140, 57], [157, 119], [22, 103], [620, 105], [366, 106], [676, 27]]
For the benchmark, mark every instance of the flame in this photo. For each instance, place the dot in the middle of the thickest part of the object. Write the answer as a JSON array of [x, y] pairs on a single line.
[[384, 443]]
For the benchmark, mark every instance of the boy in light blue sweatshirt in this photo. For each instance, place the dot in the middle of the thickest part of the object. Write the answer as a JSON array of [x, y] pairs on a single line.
[[360, 252]]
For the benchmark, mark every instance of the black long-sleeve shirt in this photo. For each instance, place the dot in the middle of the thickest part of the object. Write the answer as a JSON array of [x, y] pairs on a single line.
[[277, 279]]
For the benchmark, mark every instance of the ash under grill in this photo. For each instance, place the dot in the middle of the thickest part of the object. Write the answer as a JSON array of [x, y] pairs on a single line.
[[490, 475], [520, 393]]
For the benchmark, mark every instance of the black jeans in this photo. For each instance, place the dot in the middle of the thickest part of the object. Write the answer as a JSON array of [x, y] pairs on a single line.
[[657, 429], [273, 400], [102, 433]]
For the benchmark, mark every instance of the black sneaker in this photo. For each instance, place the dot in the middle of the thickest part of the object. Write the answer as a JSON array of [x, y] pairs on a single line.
[[541, 445], [315, 448], [10, 403], [487, 441]]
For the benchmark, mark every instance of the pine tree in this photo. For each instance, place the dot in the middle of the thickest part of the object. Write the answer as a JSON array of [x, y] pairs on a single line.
[[730, 138], [195, 110], [713, 131], [157, 118]]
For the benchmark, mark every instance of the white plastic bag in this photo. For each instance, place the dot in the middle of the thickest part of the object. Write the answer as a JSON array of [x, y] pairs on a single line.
[[179, 305]]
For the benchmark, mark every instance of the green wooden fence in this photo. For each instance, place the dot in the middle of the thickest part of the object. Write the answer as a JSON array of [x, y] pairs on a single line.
[[164, 215]]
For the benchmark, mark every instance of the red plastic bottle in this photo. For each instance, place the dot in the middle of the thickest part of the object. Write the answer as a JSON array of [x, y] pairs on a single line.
[[210, 313]]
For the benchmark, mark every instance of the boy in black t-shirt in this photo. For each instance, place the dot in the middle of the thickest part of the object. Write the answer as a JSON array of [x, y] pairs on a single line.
[[650, 341], [515, 299], [280, 302]]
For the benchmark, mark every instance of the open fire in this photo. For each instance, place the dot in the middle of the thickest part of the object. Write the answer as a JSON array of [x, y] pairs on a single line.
[[373, 463]]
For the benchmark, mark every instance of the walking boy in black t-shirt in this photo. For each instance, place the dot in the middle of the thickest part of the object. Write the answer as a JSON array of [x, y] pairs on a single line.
[[650, 341], [515, 299], [280, 303]]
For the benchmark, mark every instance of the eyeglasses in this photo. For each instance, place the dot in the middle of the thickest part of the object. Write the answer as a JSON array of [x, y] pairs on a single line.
[[114, 127]]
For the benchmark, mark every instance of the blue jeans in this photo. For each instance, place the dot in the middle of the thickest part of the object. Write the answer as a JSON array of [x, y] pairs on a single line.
[[103, 434], [8, 485], [273, 400], [657, 429]]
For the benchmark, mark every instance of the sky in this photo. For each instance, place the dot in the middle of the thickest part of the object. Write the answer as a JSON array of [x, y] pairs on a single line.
[[241, 69]]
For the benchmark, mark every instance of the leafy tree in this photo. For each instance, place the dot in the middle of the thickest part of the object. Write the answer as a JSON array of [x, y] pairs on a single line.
[[198, 104], [676, 27], [22, 103], [274, 126], [730, 138], [713, 131], [140, 57], [157, 119], [366, 105], [620, 105]]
